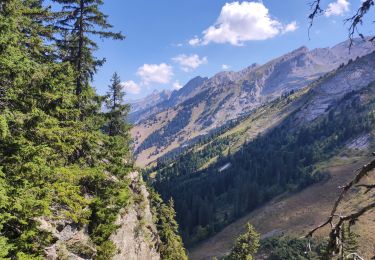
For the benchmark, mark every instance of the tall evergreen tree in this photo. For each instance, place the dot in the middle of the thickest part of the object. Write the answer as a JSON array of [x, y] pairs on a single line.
[[171, 246], [117, 110], [79, 21], [246, 245], [47, 157]]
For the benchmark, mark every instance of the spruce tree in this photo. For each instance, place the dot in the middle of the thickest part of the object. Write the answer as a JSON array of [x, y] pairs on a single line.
[[79, 21], [117, 111], [55, 168], [171, 246], [246, 245], [50, 161]]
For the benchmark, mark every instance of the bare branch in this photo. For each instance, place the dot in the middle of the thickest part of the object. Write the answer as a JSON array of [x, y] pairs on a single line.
[[357, 19], [316, 10], [368, 187], [334, 237]]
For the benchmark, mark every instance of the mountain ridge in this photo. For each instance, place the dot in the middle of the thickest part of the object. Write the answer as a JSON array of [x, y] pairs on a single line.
[[229, 95], [272, 141]]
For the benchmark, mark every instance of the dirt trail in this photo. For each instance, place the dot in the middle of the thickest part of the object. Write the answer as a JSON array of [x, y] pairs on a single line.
[[294, 214]]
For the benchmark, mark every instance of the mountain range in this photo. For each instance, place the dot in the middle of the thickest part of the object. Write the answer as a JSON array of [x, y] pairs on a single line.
[[278, 167], [173, 121]]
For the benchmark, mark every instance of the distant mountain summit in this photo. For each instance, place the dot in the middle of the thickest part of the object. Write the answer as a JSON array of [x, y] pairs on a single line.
[[154, 98], [204, 105]]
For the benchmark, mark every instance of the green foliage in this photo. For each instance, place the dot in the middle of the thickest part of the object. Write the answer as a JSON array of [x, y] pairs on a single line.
[[5, 247], [106, 250], [78, 21], [285, 248], [61, 157], [4, 131], [55, 163], [350, 241], [246, 245], [117, 110], [281, 160], [164, 217]]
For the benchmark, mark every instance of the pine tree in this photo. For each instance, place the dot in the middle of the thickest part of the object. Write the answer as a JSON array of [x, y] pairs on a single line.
[[54, 167], [48, 157], [117, 110], [79, 20], [171, 247], [246, 245]]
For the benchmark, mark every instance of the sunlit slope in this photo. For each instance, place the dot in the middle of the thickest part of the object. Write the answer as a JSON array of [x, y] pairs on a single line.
[[275, 149], [205, 105]]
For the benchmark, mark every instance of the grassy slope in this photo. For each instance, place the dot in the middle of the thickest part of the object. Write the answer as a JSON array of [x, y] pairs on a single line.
[[261, 120], [295, 214], [289, 213]]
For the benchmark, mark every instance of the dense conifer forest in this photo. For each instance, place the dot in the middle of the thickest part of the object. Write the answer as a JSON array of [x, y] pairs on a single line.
[[281, 160], [62, 159]]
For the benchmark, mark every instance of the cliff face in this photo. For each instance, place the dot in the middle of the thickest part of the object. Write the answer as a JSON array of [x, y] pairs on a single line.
[[136, 237]]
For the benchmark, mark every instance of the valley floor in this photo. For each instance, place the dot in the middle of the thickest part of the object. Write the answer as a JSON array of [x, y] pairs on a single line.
[[296, 214]]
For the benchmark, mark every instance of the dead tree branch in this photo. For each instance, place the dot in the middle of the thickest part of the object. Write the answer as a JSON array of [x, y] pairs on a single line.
[[355, 21], [335, 242], [316, 10], [368, 187]]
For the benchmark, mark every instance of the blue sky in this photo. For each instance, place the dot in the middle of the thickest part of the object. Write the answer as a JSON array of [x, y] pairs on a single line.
[[171, 41]]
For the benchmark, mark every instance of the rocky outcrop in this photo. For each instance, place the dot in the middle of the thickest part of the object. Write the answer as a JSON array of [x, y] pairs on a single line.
[[136, 238], [72, 242], [354, 76]]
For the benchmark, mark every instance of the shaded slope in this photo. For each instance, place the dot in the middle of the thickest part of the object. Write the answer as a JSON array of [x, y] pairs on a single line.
[[295, 214]]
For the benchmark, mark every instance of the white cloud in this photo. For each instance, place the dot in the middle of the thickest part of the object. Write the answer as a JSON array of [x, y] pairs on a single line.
[[131, 87], [177, 44], [195, 41], [177, 85], [155, 73], [337, 8], [191, 62], [241, 22], [224, 66], [290, 27]]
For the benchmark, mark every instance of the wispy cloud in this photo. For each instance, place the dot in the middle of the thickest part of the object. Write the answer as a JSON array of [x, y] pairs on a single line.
[[177, 85], [195, 41], [155, 73], [337, 8], [291, 27], [131, 87], [191, 62], [225, 67]]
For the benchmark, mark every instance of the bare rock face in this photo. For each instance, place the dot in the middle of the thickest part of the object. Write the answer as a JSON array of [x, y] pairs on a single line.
[[136, 238], [354, 76], [72, 243]]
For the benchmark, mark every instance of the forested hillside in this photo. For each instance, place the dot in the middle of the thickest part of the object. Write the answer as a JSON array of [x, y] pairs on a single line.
[[66, 170], [204, 105], [209, 194]]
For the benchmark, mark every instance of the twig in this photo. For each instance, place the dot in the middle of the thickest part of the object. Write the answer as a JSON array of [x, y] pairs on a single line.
[[335, 233], [368, 187]]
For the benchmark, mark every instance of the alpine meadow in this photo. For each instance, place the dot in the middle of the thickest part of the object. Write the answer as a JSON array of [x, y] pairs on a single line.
[[173, 130]]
